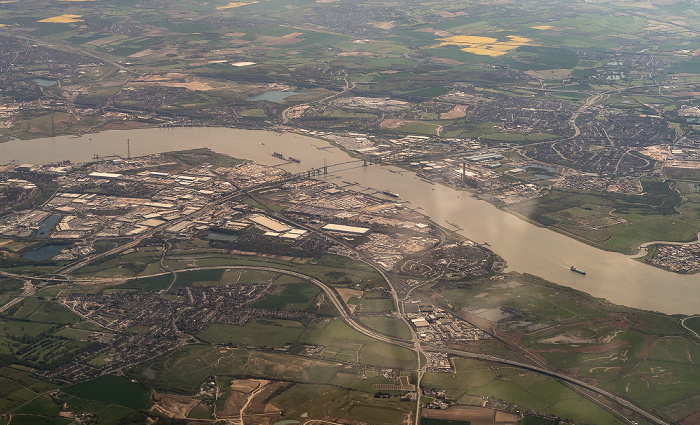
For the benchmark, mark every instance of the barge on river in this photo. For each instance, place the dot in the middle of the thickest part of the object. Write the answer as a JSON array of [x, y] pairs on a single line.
[[579, 271]]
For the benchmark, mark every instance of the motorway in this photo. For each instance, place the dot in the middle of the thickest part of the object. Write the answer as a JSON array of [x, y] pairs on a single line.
[[103, 57], [348, 86], [29, 290]]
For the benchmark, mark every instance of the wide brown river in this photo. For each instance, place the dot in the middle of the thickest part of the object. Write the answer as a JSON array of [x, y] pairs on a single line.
[[526, 248]]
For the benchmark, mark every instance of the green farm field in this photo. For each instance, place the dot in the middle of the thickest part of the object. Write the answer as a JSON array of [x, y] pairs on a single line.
[[295, 296], [388, 325], [112, 390], [310, 400], [659, 214], [259, 332], [186, 368]]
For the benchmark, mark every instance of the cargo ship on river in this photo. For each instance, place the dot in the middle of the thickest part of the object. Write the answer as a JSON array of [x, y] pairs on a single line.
[[579, 271]]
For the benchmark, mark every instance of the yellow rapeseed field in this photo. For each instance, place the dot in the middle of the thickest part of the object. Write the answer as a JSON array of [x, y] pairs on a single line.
[[542, 27], [234, 4], [487, 46], [63, 19]]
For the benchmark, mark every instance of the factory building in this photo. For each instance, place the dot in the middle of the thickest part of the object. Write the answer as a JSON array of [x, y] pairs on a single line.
[[345, 229]]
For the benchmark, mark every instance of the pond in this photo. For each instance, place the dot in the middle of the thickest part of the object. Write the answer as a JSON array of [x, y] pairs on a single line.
[[45, 83], [149, 373], [46, 226], [43, 253], [273, 96]]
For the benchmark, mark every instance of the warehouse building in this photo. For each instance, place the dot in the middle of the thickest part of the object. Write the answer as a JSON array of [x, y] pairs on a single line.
[[345, 229]]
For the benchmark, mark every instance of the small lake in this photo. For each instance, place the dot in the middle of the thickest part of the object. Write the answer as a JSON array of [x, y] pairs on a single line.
[[45, 83], [46, 226], [273, 96], [43, 253]]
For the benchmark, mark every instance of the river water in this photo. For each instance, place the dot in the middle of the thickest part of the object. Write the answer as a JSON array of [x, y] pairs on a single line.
[[526, 248]]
